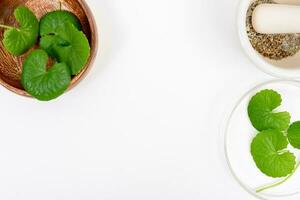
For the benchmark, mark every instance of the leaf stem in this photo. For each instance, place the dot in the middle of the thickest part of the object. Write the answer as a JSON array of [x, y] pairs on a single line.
[[266, 187], [60, 4], [283, 151], [5, 27]]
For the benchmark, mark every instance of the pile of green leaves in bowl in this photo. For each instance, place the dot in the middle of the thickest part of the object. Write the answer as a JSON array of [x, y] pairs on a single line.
[[276, 137], [59, 37]]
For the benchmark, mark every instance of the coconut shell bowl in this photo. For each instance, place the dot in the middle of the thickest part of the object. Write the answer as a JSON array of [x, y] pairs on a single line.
[[11, 66]]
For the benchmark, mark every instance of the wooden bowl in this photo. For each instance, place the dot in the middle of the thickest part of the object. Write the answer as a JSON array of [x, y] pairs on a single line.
[[11, 66]]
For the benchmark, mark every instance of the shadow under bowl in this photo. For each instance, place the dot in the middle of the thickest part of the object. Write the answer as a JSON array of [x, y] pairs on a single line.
[[11, 66]]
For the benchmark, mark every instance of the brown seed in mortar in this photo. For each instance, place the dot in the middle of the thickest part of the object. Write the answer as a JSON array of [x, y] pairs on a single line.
[[273, 46]]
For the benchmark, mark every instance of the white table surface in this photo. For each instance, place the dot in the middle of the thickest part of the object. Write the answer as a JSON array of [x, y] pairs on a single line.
[[145, 123]]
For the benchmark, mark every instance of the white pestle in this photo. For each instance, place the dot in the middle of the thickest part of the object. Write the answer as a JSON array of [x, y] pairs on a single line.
[[276, 18]]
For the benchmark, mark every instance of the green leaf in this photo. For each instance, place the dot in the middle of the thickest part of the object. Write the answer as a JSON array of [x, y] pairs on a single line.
[[40, 83], [260, 111], [56, 20], [68, 45], [269, 152], [19, 40], [48, 41], [294, 134]]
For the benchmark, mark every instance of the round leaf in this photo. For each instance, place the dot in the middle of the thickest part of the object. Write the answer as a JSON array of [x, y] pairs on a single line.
[[53, 21], [294, 134], [269, 152], [260, 111], [69, 45], [40, 83], [18, 40]]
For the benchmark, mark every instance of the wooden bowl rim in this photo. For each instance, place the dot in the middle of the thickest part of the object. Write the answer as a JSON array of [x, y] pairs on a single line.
[[94, 50]]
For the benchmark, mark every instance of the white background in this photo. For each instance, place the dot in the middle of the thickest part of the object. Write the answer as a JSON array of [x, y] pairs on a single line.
[[145, 123]]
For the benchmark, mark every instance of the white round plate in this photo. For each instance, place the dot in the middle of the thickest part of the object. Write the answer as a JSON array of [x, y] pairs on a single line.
[[239, 133]]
